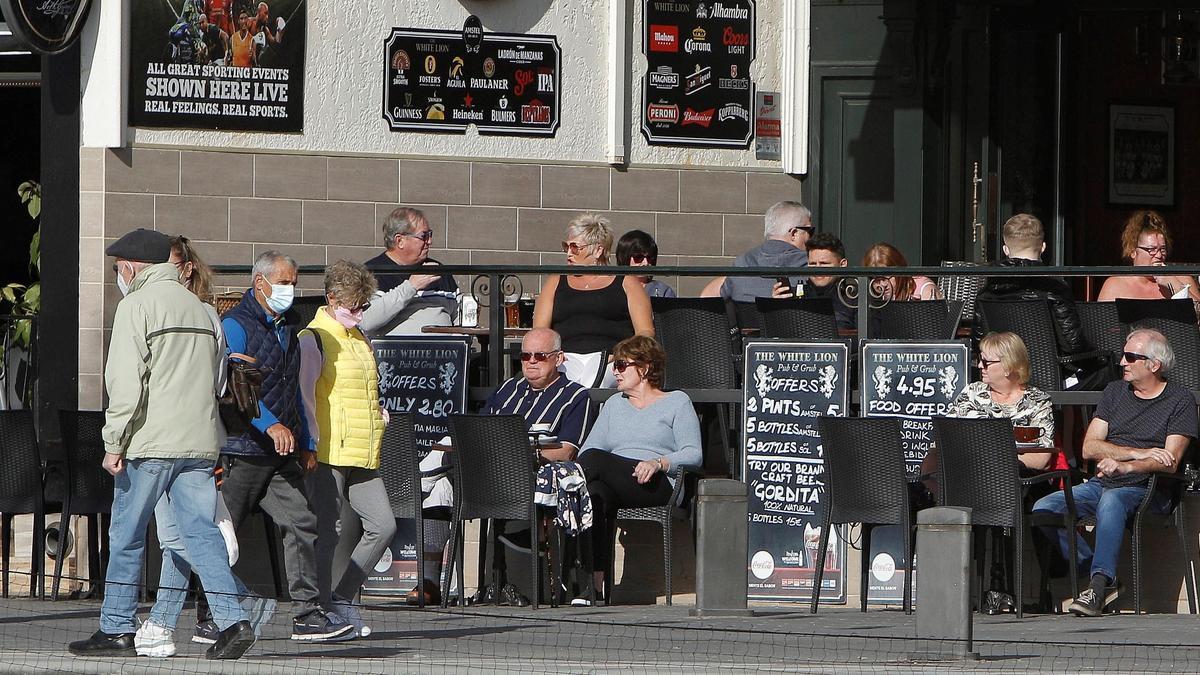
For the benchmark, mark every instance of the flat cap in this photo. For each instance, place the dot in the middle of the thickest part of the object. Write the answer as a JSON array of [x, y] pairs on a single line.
[[141, 245]]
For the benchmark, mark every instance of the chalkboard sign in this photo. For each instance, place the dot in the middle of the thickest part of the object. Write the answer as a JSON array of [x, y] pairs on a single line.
[[914, 381], [425, 376], [789, 384]]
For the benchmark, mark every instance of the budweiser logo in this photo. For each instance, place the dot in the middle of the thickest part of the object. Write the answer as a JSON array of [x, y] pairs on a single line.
[[700, 117]]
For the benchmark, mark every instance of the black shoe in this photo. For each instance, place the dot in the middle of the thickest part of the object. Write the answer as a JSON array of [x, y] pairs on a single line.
[[511, 597], [232, 642], [1089, 603], [997, 601], [484, 596], [317, 626], [206, 632], [104, 644]]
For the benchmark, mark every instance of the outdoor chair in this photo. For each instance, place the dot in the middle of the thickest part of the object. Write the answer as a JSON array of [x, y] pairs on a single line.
[[89, 491], [1033, 322], [21, 486], [695, 334], [1176, 320], [495, 472], [961, 288], [1102, 327], [865, 483], [678, 507], [916, 320], [399, 467], [977, 460], [798, 319]]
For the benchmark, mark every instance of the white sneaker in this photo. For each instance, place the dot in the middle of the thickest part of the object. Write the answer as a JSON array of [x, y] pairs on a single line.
[[350, 614], [154, 640]]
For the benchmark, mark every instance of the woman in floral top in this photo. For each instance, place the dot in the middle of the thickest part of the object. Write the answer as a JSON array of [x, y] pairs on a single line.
[[1002, 391]]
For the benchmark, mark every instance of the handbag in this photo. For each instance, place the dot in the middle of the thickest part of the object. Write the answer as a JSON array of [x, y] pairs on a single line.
[[239, 404]]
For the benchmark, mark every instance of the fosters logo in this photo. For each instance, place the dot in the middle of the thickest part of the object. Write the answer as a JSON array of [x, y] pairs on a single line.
[[698, 42], [664, 38]]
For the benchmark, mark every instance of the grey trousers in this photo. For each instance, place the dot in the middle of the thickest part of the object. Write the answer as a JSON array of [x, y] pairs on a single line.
[[348, 499]]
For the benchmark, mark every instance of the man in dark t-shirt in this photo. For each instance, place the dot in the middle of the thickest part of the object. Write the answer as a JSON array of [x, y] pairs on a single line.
[[404, 303], [1143, 425]]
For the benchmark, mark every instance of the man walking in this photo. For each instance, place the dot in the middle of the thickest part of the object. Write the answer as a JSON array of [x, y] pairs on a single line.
[[160, 437]]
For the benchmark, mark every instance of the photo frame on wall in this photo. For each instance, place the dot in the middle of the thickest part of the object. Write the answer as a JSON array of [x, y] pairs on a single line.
[[1141, 154]]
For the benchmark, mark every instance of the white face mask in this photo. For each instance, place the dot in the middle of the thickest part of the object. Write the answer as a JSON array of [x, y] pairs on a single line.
[[122, 285], [281, 297]]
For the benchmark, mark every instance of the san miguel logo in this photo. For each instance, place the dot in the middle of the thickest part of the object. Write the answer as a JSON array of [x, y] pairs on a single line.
[[47, 26], [659, 112], [700, 117], [664, 38], [698, 80]]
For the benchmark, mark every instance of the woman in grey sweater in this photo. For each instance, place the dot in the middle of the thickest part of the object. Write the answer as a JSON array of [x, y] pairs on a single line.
[[639, 442]]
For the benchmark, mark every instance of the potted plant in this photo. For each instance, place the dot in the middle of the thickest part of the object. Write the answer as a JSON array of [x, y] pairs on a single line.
[[17, 369]]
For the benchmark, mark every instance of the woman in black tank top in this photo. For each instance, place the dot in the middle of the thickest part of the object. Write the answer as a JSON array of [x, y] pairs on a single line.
[[592, 312]]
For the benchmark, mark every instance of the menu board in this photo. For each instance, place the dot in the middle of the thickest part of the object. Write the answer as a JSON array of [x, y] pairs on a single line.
[[697, 89], [788, 385], [914, 381], [446, 80]]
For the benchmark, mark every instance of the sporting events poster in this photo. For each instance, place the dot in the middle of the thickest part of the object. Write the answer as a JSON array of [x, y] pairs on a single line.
[[233, 65]]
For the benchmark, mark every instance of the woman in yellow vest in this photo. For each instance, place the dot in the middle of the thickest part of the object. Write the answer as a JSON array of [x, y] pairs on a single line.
[[340, 387]]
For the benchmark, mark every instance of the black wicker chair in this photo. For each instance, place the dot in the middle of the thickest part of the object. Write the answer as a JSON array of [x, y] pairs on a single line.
[[495, 472], [961, 288], [864, 483], [1176, 320], [918, 320], [978, 463], [21, 485], [89, 490], [797, 319], [663, 515], [1102, 326], [695, 334], [1032, 321], [399, 467]]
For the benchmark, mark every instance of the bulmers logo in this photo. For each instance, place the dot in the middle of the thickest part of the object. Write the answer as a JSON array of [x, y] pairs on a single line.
[[664, 38], [660, 112], [700, 117]]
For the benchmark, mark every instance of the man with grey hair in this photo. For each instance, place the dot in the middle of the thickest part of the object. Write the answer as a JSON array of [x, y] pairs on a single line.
[[787, 227], [267, 461], [405, 303], [1142, 425]]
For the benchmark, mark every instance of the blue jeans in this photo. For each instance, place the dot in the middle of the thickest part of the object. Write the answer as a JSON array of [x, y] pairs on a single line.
[[173, 579], [193, 492], [1112, 508]]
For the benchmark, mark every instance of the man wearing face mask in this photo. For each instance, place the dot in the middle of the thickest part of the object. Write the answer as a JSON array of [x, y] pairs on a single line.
[[405, 303], [160, 438], [340, 386], [266, 466]]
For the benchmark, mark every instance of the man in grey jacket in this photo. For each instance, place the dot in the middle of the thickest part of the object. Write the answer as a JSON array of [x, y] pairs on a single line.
[[161, 437], [787, 227]]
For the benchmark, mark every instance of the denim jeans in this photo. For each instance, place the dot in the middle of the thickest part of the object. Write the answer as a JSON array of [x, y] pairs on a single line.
[[173, 579], [1112, 508], [193, 493]]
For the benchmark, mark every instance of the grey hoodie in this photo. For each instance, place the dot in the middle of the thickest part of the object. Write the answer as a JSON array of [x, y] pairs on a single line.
[[771, 253]]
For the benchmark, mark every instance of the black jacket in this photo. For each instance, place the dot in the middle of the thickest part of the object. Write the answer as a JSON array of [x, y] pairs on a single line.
[[1067, 328]]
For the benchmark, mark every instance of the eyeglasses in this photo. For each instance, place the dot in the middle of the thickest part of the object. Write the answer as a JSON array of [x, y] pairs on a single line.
[[638, 259], [427, 235], [984, 364], [622, 364], [1133, 356], [810, 229], [574, 248], [537, 357], [1154, 250]]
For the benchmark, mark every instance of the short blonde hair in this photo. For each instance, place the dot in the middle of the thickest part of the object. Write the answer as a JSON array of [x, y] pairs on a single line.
[[1011, 351], [1023, 231], [349, 283], [1139, 223], [594, 230]]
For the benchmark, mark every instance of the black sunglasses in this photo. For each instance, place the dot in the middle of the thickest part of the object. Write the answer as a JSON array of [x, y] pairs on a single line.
[[987, 363], [622, 364], [538, 356], [1134, 356]]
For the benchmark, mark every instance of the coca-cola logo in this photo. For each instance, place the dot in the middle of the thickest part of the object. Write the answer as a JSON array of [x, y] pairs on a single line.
[[700, 117], [664, 38], [660, 112], [47, 26]]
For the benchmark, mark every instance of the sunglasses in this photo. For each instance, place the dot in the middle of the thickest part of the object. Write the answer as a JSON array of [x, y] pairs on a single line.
[[537, 357], [809, 230], [361, 308], [1134, 356], [1154, 250], [638, 259], [427, 235], [987, 363], [622, 364], [574, 248]]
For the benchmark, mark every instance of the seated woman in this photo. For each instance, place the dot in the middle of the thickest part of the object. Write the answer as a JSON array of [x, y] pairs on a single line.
[[898, 288], [1146, 242], [638, 249], [592, 312], [642, 437]]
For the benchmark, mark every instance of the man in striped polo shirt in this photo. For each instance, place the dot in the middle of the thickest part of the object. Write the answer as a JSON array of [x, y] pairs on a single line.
[[556, 405], [1142, 425]]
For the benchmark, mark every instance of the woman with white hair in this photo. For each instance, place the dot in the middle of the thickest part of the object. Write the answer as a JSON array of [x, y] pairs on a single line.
[[592, 312]]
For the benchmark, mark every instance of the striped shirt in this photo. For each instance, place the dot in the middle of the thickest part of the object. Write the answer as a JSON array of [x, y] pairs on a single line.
[[564, 405]]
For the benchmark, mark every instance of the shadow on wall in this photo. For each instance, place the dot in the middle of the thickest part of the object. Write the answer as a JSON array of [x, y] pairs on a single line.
[[507, 16]]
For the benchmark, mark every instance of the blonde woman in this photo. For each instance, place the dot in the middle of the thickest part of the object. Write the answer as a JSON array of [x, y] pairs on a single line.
[[592, 312]]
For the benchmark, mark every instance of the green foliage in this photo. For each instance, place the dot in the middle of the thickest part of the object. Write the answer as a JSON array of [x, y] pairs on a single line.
[[27, 299]]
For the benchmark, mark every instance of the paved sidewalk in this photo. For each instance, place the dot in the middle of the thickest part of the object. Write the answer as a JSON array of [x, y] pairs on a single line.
[[34, 635]]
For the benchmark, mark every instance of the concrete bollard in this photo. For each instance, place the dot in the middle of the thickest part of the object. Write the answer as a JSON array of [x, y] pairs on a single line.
[[944, 589], [721, 542]]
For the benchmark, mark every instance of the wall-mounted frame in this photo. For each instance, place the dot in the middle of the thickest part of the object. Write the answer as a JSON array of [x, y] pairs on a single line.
[[1141, 154]]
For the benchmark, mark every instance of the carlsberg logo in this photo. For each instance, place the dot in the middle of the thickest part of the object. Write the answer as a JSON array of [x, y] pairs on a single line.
[[720, 11]]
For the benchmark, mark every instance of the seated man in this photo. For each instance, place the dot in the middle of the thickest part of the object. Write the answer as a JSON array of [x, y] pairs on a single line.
[[404, 303], [543, 397], [1142, 425], [826, 250], [787, 226]]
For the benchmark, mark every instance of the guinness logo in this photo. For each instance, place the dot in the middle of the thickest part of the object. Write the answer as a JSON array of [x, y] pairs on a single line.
[[47, 26]]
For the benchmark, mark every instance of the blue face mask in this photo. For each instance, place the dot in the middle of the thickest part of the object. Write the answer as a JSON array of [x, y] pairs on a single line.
[[281, 297]]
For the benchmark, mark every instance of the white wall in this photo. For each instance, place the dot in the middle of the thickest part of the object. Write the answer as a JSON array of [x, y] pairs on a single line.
[[343, 81]]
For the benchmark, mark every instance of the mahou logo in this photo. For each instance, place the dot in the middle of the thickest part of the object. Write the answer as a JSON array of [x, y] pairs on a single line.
[[700, 117], [664, 38]]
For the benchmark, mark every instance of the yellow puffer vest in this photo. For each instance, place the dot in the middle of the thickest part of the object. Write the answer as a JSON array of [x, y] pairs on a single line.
[[351, 425]]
